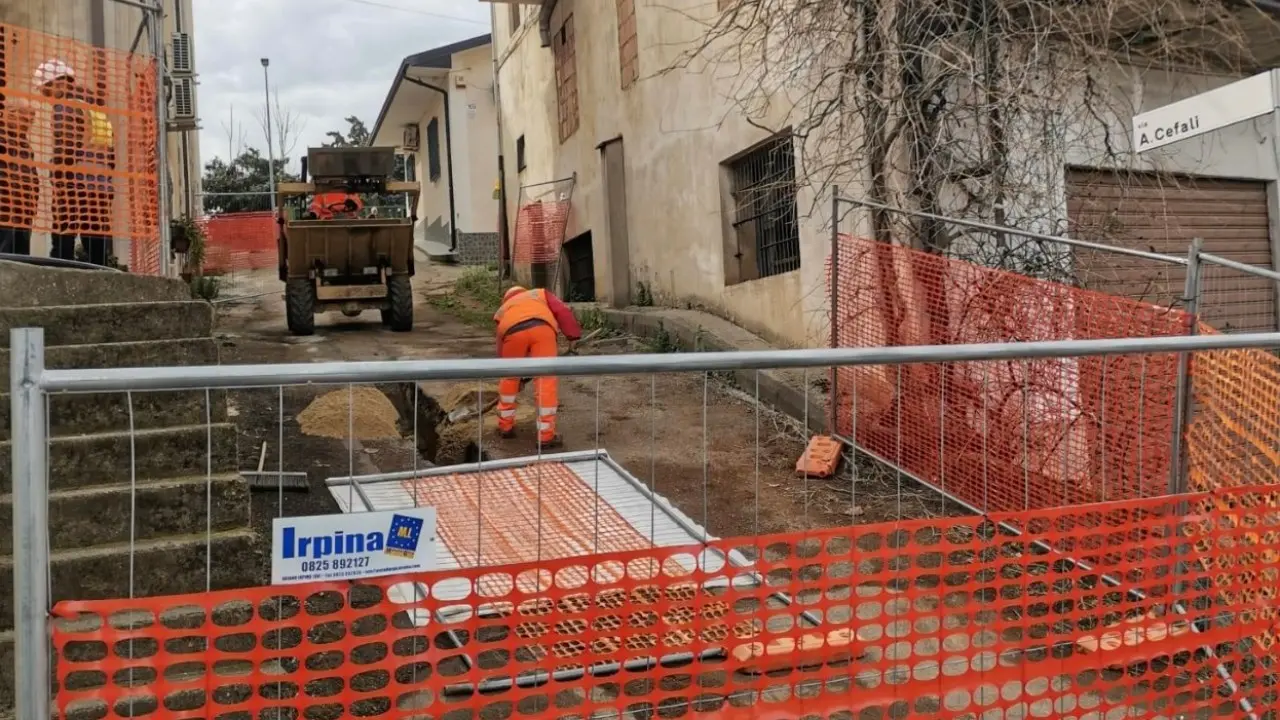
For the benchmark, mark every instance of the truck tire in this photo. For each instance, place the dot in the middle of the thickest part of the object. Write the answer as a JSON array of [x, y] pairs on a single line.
[[300, 306], [400, 299]]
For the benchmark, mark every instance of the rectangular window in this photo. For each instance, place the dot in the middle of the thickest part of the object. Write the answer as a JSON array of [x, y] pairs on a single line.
[[520, 154], [433, 150], [562, 48], [763, 184], [628, 45]]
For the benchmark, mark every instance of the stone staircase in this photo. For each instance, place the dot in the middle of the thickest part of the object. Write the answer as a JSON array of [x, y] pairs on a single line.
[[92, 488]]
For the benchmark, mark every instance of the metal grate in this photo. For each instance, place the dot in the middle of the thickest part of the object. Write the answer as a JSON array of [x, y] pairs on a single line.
[[764, 193], [184, 99], [182, 62]]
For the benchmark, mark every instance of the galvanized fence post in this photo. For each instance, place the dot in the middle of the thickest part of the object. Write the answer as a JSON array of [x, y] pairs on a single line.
[[835, 308], [1182, 391], [30, 524], [155, 17]]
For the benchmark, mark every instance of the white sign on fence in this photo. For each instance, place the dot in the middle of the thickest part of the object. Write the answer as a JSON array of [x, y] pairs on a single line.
[[1239, 101], [349, 546]]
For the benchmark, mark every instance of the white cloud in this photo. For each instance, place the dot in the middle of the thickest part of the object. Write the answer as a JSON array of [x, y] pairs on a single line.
[[329, 58]]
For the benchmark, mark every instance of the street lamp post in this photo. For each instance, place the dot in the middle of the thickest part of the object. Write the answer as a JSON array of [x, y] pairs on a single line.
[[271, 153]]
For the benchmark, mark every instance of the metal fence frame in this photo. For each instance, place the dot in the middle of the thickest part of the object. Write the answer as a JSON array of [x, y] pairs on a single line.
[[31, 383]]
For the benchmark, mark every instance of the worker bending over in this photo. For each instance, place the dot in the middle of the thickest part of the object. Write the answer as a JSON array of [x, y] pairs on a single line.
[[528, 322]]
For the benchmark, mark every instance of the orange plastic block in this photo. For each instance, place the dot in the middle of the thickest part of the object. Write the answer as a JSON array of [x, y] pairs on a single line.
[[821, 458]]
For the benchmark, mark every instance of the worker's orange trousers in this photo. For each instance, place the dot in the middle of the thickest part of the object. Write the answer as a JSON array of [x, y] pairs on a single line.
[[536, 341]]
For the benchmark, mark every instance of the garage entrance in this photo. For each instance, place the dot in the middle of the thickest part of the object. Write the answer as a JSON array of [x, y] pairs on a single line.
[[1162, 213]]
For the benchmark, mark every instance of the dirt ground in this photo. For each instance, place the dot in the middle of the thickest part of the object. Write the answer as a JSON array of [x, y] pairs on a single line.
[[664, 441]]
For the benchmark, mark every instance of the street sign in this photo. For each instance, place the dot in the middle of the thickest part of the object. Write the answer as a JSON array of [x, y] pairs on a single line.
[[355, 545], [1236, 102]]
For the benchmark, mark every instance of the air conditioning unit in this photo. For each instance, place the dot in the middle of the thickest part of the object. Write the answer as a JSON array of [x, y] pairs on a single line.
[[411, 139], [182, 103], [181, 62]]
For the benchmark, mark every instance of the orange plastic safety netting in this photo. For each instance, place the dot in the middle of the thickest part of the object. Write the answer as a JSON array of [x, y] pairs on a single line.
[[1006, 435], [1086, 614], [547, 511], [1234, 433], [78, 157], [240, 241], [540, 229]]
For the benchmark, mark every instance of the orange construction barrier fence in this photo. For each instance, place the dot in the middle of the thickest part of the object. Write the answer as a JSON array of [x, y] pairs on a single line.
[[240, 241], [1038, 613], [1002, 435], [540, 229], [78, 133]]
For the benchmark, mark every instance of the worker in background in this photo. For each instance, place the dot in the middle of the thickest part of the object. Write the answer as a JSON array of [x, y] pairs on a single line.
[[527, 325], [19, 180], [83, 157]]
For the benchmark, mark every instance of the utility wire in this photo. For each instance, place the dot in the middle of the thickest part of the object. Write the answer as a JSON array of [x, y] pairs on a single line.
[[415, 11]]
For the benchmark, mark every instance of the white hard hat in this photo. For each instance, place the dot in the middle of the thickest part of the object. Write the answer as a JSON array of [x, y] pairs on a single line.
[[51, 70]]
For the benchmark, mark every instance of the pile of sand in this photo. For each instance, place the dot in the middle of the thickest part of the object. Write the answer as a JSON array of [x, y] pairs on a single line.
[[362, 411], [471, 395], [458, 441]]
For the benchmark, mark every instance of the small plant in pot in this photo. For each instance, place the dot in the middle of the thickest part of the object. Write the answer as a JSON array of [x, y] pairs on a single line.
[[180, 236], [187, 237]]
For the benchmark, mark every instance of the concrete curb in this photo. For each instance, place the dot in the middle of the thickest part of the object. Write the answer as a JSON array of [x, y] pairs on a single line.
[[694, 331]]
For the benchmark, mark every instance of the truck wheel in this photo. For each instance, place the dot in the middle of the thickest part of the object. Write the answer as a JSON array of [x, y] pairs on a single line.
[[400, 299], [300, 306]]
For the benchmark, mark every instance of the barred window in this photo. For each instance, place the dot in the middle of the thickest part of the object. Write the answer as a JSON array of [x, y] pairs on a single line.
[[763, 182]]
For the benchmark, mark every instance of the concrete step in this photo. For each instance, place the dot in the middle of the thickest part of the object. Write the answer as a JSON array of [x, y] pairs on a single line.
[[184, 352], [100, 515], [6, 671], [105, 458], [105, 412], [45, 286], [111, 323], [165, 566]]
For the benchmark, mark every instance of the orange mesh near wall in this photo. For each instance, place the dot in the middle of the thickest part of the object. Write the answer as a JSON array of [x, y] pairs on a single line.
[[1002, 435], [1011, 615], [240, 241], [78, 133], [540, 228]]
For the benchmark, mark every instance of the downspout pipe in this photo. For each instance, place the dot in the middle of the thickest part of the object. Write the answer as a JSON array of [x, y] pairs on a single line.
[[544, 21], [448, 155], [504, 247]]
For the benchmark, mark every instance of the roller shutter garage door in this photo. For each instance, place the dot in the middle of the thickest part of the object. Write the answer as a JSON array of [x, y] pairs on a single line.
[[1162, 214]]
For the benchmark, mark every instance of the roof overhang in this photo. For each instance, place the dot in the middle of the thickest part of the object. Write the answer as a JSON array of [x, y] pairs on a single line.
[[406, 103], [407, 100]]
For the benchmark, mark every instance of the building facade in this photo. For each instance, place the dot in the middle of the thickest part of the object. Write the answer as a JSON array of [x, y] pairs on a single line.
[[672, 180], [441, 115]]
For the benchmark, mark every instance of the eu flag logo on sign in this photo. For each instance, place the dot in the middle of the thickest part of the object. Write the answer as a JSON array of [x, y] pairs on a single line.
[[402, 538]]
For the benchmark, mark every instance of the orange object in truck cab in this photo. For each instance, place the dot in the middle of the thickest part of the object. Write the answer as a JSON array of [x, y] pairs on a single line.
[[326, 206]]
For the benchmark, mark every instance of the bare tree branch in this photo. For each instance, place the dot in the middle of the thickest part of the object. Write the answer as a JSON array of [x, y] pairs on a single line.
[[237, 137], [286, 127], [964, 109]]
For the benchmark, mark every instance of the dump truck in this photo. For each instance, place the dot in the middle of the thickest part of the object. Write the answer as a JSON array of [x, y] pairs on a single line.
[[338, 261]]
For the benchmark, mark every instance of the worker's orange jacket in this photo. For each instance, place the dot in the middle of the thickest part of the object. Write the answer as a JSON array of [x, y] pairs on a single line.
[[536, 305], [326, 205]]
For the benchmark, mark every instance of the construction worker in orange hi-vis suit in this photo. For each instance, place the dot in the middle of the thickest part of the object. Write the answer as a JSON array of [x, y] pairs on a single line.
[[527, 324]]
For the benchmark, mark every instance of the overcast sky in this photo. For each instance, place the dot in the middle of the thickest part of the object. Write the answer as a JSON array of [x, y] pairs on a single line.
[[329, 58]]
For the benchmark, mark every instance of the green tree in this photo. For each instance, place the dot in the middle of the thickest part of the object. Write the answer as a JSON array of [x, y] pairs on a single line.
[[242, 185], [357, 134]]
